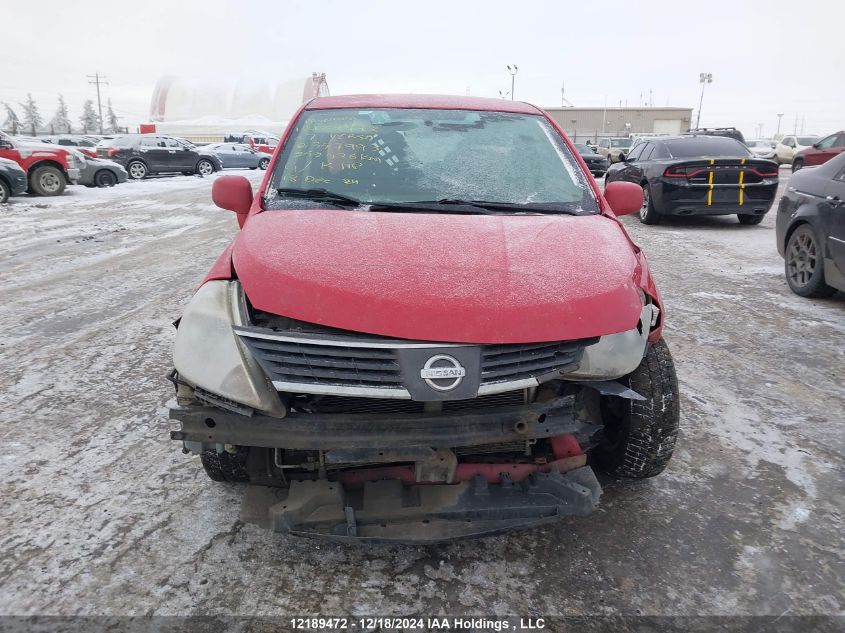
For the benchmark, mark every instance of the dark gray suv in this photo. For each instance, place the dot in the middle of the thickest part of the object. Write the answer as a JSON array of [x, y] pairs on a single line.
[[145, 154]]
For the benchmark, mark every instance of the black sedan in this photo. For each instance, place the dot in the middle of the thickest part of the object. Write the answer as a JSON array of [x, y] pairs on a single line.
[[698, 175], [235, 155], [596, 163], [145, 154], [12, 179], [810, 229]]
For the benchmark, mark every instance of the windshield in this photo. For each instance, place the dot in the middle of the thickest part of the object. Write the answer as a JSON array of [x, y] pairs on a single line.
[[621, 142], [807, 140], [413, 155]]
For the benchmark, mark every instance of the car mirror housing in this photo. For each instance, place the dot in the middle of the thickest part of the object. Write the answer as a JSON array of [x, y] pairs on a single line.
[[233, 193], [624, 198]]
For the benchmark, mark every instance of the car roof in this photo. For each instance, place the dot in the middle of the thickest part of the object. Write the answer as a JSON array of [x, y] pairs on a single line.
[[435, 102]]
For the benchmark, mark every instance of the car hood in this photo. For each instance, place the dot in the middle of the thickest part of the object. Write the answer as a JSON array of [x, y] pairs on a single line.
[[441, 277]]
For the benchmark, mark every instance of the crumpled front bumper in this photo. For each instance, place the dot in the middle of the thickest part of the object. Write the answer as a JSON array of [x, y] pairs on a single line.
[[390, 512]]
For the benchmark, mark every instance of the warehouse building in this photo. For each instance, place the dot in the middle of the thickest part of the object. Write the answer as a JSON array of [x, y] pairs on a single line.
[[582, 124]]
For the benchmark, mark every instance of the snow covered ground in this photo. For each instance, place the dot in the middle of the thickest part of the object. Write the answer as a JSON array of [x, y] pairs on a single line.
[[102, 513]]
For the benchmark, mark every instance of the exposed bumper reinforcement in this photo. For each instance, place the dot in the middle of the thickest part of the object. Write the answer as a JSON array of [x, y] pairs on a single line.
[[387, 511], [210, 425]]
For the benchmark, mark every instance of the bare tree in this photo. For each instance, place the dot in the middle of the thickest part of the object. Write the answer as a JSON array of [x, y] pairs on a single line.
[[61, 120], [111, 117], [13, 123], [31, 117], [90, 121]]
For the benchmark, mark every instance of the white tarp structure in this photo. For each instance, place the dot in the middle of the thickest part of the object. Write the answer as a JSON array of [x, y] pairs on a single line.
[[205, 109]]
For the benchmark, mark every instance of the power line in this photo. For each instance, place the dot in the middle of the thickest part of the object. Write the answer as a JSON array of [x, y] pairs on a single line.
[[96, 80]]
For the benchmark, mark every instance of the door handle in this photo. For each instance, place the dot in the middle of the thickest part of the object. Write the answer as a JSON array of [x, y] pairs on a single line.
[[834, 200]]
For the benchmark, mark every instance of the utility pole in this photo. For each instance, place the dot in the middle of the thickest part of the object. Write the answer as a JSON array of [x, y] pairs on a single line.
[[703, 78], [777, 134], [96, 80], [513, 72]]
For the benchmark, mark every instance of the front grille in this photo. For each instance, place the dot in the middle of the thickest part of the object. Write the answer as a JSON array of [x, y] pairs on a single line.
[[290, 361], [516, 362], [359, 365]]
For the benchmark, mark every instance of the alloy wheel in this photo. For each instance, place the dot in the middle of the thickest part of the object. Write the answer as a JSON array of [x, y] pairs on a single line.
[[205, 168], [137, 170], [646, 202], [802, 258]]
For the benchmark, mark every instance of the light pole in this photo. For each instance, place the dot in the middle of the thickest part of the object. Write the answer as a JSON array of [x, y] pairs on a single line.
[[513, 72], [777, 134], [703, 78]]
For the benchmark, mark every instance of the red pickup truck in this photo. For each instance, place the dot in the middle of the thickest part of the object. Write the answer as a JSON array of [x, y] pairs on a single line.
[[48, 168], [259, 141]]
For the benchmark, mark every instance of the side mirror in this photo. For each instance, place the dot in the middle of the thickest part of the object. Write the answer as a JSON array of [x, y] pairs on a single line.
[[623, 197], [233, 193], [816, 145]]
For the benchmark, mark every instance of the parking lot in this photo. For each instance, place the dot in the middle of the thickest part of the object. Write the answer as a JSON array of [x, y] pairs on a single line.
[[104, 515]]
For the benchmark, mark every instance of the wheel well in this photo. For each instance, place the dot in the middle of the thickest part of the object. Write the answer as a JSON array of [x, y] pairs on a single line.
[[44, 163], [5, 182]]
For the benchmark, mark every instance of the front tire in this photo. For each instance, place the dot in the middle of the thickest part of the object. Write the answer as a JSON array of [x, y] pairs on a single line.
[[47, 181], [205, 167], [137, 170], [263, 163], [797, 164], [804, 264], [639, 435], [648, 214], [750, 220], [225, 466], [105, 178], [5, 192]]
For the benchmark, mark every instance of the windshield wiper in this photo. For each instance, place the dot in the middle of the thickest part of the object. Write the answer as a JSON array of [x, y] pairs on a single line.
[[480, 207], [320, 195]]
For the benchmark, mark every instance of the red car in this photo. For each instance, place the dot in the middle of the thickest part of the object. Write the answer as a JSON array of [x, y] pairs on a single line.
[[48, 168], [431, 325], [820, 152], [259, 141]]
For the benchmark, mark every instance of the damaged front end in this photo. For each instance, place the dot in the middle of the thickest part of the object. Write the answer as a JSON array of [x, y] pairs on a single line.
[[351, 436]]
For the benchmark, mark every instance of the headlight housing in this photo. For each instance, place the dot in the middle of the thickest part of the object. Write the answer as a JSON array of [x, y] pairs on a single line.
[[617, 355], [208, 354]]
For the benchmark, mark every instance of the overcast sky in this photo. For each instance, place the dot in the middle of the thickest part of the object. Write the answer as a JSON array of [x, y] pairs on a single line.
[[766, 57]]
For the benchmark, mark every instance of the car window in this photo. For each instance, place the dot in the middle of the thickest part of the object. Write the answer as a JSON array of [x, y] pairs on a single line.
[[788, 142], [172, 143], [841, 175], [660, 152], [622, 143], [697, 146], [66, 141], [604, 143], [807, 140], [634, 154], [647, 152], [840, 141], [828, 142], [151, 141], [405, 155]]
